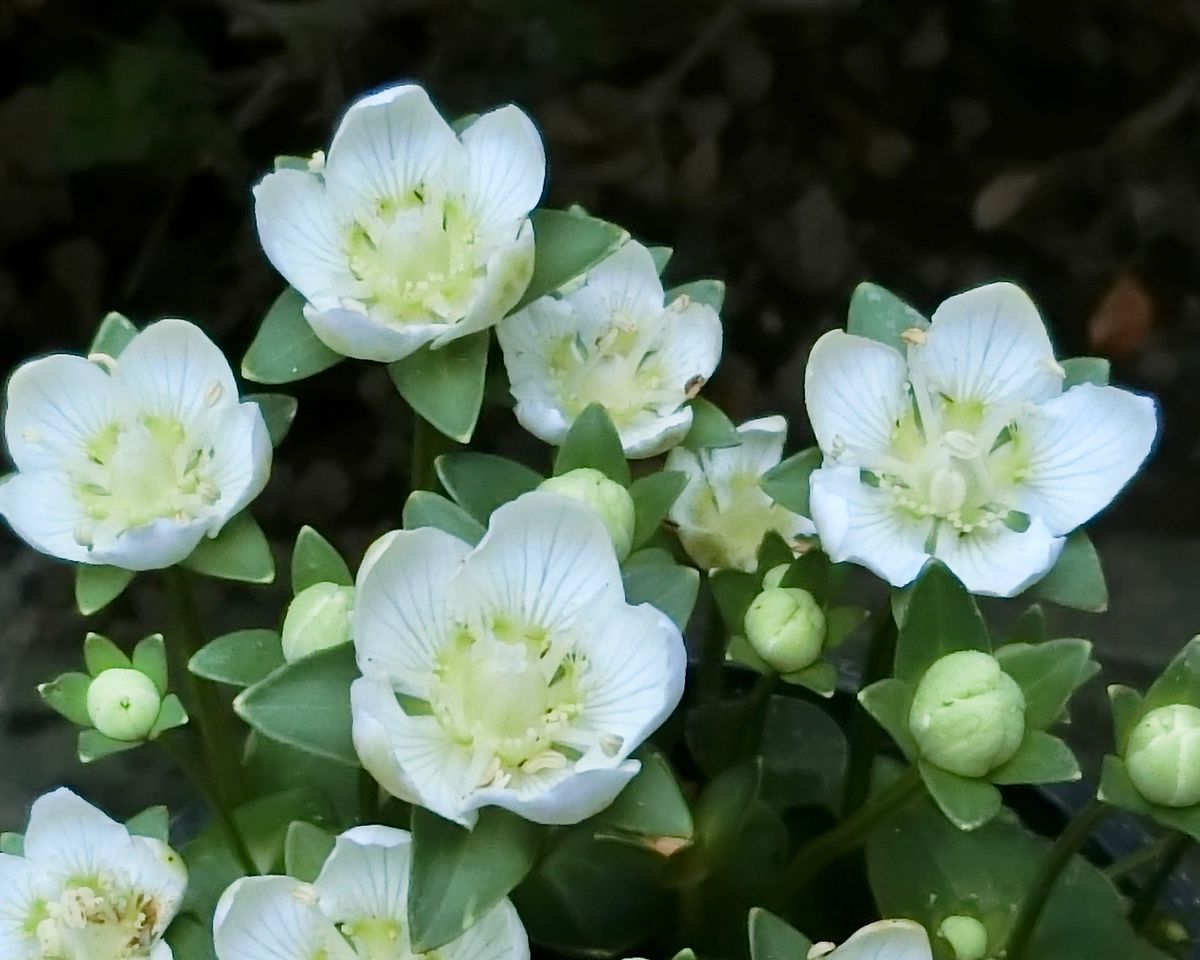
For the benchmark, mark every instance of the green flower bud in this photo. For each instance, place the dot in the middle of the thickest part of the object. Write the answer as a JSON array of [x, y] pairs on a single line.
[[967, 936], [786, 627], [611, 502], [123, 704], [1163, 756], [968, 715], [776, 574], [317, 619]]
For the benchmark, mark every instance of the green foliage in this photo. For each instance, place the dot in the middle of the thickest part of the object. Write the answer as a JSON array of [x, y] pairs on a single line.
[[445, 385], [285, 348], [567, 244], [710, 428], [240, 659], [942, 618], [150, 658], [98, 586], [113, 335], [278, 410], [1085, 370], [67, 695], [1076, 580], [481, 482], [787, 482], [239, 552], [773, 939], [709, 292], [316, 560], [652, 576], [100, 654], [1049, 673], [153, 822], [425, 509], [653, 496], [306, 847], [881, 315], [652, 806], [593, 442]]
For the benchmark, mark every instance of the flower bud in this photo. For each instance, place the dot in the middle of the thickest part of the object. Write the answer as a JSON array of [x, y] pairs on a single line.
[[317, 619], [1163, 756], [966, 936], [774, 576], [123, 704], [786, 627], [968, 715], [611, 502]]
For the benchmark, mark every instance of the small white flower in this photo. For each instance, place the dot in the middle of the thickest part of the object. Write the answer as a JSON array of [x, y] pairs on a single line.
[[131, 463], [612, 341], [86, 889], [723, 514], [357, 909], [882, 940], [406, 234], [951, 451], [527, 679]]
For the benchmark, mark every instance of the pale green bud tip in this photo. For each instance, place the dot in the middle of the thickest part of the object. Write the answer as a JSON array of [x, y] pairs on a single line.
[[123, 704], [786, 627], [776, 574], [967, 936], [610, 501], [1163, 756], [317, 619], [968, 715]]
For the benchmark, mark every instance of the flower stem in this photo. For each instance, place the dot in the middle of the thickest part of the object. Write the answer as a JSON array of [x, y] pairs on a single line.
[[1065, 847], [368, 798], [864, 731], [712, 654], [1140, 858], [424, 453], [1147, 898]]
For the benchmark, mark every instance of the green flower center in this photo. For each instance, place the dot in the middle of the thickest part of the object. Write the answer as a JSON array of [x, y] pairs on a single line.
[[379, 938], [734, 519], [95, 919]]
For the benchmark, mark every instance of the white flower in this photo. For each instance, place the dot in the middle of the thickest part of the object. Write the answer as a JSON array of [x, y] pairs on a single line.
[[131, 462], [409, 234], [86, 889], [612, 341], [355, 910], [968, 450], [723, 514], [882, 940], [511, 674]]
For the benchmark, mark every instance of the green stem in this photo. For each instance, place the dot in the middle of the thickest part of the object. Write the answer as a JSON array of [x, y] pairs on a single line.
[[864, 731], [368, 798], [712, 654], [1036, 897], [1147, 898], [1140, 858], [424, 453], [754, 715], [852, 832]]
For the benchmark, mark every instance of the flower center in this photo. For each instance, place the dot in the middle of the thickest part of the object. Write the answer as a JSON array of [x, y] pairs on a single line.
[[736, 514], [379, 938], [94, 919]]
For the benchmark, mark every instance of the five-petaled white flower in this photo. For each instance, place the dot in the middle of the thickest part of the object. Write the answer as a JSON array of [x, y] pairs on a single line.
[[408, 233], [612, 341], [356, 909], [131, 462], [85, 889], [967, 450], [511, 674], [723, 514], [882, 940]]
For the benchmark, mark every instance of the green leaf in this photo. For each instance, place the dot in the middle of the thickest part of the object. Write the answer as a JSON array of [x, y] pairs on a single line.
[[1179, 682], [1126, 706], [67, 695], [92, 745], [113, 335], [567, 244], [170, 715], [306, 704], [1077, 579], [710, 428], [804, 755], [481, 482], [734, 591], [278, 410], [1117, 789], [240, 659], [445, 386], [153, 822], [653, 804], [97, 586], [1048, 674], [1085, 370], [820, 677], [941, 618], [306, 847], [653, 496], [316, 560], [652, 576], [150, 658], [190, 939], [840, 622], [709, 292], [425, 509], [239, 552], [271, 767], [12, 844], [967, 803], [813, 572], [100, 654], [889, 702], [1030, 627], [773, 939], [787, 482], [881, 315], [661, 257], [723, 810], [593, 442], [285, 347], [459, 874], [1041, 758]]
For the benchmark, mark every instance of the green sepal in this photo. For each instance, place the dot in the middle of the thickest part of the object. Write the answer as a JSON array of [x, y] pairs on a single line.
[[12, 844], [98, 586], [170, 716], [285, 348], [100, 654], [286, 162], [445, 386], [1118, 790], [774, 551], [968, 803], [841, 622], [889, 702], [425, 509], [1086, 370], [593, 442], [881, 315], [787, 483], [1126, 706], [278, 411], [1048, 675], [774, 939], [710, 429], [812, 571], [722, 811], [652, 805], [661, 257], [481, 482], [150, 658], [711, 293], [92, 745], [306, 847], [652, 576], [567, 244], [239, 552], [653, 496], [820, 677], [1179, 682], [1076, 580], [1029, 627], [113, 335], [316, 560], [153, 822], [734, 591], [1041, 758], [67, 696], [240, 659], [941, 618]]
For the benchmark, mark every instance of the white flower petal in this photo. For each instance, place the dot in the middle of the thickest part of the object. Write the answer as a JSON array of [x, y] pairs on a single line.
[[760, 450], [855, 391], [367, 875], [389, 144], [56, 405], [18, 897], [1083, 447], [990, 344], [161, 951], [364, 336], [527, 339], [241, 464], [690, 345], [301, 233], [400, 613], [650, 434], [153, 868], [152, 546], [886, 940], [999, 562], [862, 524], [506, 166], [560, 797], [69, 837], [625, 282], [273, 918], [42, 510], [499, 935]]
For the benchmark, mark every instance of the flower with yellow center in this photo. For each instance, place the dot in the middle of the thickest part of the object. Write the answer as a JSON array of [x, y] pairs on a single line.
[[85, 889], [964, 448], [408, 233], [512, 674], [356, 909]]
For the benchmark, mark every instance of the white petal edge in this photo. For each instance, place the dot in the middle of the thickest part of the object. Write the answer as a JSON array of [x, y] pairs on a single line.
[[153, 546], [999, 562], [886, 940], [626, 281], [18, 896], [506, 166], [651, 435], [366, 875], [242, 455], [70, 837], [354, 333], [41, 508], [562, 797], [271, 918], [499, 935]]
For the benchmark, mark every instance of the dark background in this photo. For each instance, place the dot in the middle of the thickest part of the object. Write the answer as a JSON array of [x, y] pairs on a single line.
[[790, 147]]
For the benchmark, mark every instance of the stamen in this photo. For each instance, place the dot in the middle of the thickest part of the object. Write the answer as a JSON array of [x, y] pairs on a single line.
[[212, 393], [84, 535], [610, 744], [31, 435], [306, 894], [107, 361], [914, 337]]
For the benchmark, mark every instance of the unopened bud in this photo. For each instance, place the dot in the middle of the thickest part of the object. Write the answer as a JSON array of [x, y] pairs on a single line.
[[123, 704], [966, 936], [786, 627], [607, 498], [317, 619], [1163, 756]]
